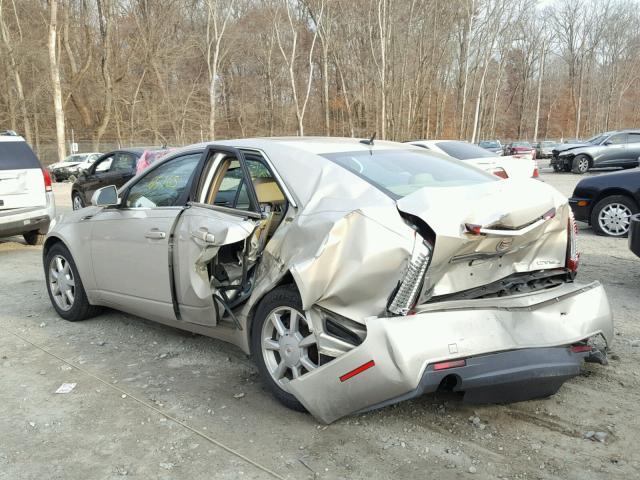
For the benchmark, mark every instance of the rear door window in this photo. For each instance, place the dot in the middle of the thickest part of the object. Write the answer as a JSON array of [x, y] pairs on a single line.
[[17, 156], [463, 151]]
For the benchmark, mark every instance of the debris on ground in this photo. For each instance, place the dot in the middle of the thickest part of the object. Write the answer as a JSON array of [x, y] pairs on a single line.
[[66, 387]]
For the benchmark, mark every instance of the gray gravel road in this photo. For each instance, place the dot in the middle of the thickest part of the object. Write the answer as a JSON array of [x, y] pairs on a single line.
[[154, 402]]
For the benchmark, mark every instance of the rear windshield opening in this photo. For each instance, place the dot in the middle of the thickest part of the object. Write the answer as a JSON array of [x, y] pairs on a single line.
[[399, 173], [17, 156]]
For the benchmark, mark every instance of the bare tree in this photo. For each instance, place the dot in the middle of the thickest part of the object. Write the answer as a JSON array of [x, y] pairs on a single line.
[[55, 78]]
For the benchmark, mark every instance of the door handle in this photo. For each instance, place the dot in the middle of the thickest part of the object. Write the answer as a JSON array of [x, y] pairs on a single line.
[[204, 236], [155, 235]]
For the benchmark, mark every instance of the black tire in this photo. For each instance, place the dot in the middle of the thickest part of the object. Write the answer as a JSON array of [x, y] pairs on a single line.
[[81, 308], [74, 196], [285, 296], [33, 237], [580, 164], [595, 212]]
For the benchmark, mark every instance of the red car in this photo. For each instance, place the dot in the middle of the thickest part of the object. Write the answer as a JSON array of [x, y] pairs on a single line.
[[520, 149]]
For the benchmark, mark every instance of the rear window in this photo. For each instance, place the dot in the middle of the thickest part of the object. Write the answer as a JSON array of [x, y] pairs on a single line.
[[521, 144], [399, 173], [489, 144], [463, 150], [17, 156]]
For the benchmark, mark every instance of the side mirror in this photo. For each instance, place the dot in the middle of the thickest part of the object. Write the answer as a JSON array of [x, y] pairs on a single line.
[[607, 143], [105, 197]]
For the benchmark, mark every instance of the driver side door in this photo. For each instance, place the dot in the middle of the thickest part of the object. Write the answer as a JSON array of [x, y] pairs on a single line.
[[129, 244]]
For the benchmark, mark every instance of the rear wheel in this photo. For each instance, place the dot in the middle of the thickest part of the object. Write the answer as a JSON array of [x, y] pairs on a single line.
[[77, 201], [283, 344], [610, 216], [580, 164], [34, 237], [64, 286]]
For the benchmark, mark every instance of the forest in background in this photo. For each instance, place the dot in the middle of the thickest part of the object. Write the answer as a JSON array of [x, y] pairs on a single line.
[[181, 71]]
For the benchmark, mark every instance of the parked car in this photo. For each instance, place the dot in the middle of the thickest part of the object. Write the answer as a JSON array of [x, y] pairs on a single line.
[[70, 166], [90, 160], [609, 149], [503, 167], [357, 273], [545, 149], [607, 201], [634, 234], [520, 149], [27, 205], [113, 168], [493, 146]]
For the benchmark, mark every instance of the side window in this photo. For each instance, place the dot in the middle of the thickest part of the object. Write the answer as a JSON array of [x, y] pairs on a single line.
[[163, 186], [617, 139], [124, 162], [104, 165], [633, 138]]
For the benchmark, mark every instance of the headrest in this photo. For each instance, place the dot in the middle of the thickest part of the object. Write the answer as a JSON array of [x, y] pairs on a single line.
[[267, 191]]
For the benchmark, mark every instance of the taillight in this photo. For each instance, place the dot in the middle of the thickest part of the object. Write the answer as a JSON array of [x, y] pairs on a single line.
[[449, 364], [47, 180], [581, 348], [536, 173], [408, 291], [573, 256], [500, 172]]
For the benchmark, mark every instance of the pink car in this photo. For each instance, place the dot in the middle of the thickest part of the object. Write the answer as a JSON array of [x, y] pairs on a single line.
[[521, 149], [149, 157]]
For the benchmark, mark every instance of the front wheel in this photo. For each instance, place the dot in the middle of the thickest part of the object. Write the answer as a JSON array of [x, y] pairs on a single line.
[[580, 164], [33, 238], [283, 344], [64, 285], [611, 215]]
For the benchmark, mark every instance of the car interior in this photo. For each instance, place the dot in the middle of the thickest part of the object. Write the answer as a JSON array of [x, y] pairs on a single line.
[[232, 270]]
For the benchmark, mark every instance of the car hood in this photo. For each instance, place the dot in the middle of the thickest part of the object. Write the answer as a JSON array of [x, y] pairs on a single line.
[[63, 165], [570, 146], [511, 211]]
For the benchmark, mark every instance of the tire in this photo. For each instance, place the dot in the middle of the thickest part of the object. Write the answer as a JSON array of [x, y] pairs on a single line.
[[609, 206], [79, 308], [284, 297], [580, 164], [33, 237], [76, 201]]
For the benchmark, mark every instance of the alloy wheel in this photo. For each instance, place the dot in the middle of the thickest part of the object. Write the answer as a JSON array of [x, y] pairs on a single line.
[[62, 282], [77, 202], [289, 346], [583, 165], [614, 219]]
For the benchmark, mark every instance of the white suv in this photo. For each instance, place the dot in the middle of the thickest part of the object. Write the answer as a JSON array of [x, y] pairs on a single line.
[[26, 198]]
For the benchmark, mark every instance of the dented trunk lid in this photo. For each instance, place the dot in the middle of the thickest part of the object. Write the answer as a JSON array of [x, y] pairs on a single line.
[[524, 229]]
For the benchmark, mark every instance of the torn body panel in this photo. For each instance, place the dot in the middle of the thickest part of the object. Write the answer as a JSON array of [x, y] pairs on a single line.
[[403, 347]]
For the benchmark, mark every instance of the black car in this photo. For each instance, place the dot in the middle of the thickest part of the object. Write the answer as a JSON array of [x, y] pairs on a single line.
[[634, 234], [606, 202], [113, 168]]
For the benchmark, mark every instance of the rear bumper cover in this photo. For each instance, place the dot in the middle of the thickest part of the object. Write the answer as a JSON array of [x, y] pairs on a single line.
[[22, 220], [505, 342]]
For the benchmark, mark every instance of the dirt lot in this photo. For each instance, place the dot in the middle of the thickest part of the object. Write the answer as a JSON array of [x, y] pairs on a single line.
[[153, 402]]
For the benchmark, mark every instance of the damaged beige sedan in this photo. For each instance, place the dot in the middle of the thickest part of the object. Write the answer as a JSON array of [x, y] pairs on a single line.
[[357, 274]]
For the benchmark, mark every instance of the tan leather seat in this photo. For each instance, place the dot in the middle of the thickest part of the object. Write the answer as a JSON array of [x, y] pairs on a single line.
[[267, 191]]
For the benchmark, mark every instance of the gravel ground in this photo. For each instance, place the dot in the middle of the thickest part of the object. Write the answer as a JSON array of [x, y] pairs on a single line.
[[154, 402]]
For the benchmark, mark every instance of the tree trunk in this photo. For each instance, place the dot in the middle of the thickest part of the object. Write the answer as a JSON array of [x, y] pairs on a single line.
[[55, 79]]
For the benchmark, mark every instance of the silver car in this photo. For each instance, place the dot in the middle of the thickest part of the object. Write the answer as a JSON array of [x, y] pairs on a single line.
[[356, 273]]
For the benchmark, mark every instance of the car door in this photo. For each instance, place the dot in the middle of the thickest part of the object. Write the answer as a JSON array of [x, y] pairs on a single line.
[[129, 243], [613, 151], [633, 147], [95, 177], [225, 213]]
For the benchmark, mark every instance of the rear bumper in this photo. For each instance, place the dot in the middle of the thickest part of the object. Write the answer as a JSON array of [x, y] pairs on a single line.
[[22, 220], [634, 234], [507, 342]]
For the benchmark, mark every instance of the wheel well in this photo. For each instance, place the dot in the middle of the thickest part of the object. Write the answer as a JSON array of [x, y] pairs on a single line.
[[287, 279], [610, 192], [49, 243]]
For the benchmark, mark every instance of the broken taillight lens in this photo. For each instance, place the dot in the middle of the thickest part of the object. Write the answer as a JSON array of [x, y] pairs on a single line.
[[573, 256], [408, 292]]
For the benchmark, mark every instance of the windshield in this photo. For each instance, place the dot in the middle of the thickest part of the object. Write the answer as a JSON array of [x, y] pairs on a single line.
[[489, 144], [522, 144], [597, 139], [463, 150], [399, 173]]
